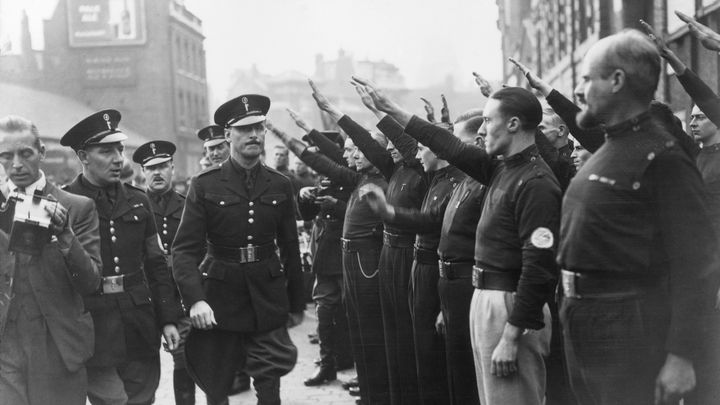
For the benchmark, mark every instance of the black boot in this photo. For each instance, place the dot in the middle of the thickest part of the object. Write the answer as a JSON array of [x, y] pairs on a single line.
[[184, 387], [322, 375], [267, 390]]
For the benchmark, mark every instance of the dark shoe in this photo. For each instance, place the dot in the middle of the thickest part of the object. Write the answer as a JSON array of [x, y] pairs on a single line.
[[354, 391], [353, 382], [241, 383], [321, 376]]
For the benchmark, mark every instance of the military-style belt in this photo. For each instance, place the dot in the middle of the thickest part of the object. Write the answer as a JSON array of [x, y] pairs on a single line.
[[120, 283], [247, 254], [452, 271], [396, 240], [483, 279], [425, 256], [589, 285], [354, 245]]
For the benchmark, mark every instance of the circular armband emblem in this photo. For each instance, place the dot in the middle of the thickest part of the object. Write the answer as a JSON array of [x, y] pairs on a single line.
[[542, 238]]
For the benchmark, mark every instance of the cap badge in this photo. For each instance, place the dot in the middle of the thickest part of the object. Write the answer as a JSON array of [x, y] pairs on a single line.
[[153, 148], [245, 101], [106, 117]]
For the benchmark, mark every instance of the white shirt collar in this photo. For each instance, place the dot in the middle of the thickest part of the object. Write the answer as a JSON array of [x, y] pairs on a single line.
[[39, 184]]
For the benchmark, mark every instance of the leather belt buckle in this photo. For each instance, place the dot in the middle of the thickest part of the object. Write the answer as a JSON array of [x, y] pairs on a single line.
[[569, 283], [477, 274], [345, 244], [113, 284], [248, 254]]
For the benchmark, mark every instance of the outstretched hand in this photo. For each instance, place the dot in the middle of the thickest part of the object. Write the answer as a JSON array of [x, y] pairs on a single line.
[[299, 121], [429, 109], [444, 111], [322, 101], [707, 37], [533, 80], [365, 97], [485, 87], [380, 99], [663, 49]]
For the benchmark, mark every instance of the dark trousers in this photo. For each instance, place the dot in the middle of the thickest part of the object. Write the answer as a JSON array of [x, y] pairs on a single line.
[[707, 365], [455, 297], [183, 385], [558, 390], [32, 372], [332, 320], [395, 267], [429, 344], [366, 328], [213, 357], [614, 347], [141, 379]]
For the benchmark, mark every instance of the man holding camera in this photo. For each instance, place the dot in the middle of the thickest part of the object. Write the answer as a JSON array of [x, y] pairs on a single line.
[[137, 296], [45, 334]]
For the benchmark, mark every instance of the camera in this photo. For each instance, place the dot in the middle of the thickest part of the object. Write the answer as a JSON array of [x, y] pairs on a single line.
[[323, 188], [30, 230]]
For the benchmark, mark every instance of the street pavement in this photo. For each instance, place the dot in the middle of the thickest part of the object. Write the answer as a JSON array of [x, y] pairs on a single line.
[[292, 389]]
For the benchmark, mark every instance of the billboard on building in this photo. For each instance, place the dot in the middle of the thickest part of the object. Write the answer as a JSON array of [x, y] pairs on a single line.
[[106, 22]]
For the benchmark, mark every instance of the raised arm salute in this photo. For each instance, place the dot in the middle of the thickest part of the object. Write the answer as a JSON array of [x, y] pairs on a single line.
[[514, 269], [406, 188]]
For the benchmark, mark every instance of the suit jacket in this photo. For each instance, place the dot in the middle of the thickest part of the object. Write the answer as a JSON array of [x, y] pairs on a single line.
[[127, 323], [219, 210], [64, 275]]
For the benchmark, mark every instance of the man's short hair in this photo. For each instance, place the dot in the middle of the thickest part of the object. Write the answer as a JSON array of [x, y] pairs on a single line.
[[636, 55], [518, 102], [473, 120], [555, 119], [14, 123], [281, 147]]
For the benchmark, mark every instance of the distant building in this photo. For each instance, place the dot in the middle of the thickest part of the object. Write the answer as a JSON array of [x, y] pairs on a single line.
[[551, 37], [291, 90], [144, 58]]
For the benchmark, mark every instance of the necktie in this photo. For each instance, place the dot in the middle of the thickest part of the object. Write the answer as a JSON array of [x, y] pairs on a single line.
[[250, 180]]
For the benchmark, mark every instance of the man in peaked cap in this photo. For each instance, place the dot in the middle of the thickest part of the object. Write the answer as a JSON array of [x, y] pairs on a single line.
[[136, 294], [215, 145], [156, 160], [243, 296]]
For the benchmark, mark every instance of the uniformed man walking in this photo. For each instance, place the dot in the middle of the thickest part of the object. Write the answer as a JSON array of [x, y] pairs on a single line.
[[137, 294], [242, 296], [156, 160]]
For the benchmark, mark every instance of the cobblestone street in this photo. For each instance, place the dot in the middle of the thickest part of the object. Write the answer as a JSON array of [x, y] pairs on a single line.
[[292, 390]]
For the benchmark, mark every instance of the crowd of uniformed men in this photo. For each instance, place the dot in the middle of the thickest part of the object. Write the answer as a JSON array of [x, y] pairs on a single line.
[[484, 260]]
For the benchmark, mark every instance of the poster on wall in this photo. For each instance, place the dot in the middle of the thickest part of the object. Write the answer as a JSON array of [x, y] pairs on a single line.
[[106, 22]]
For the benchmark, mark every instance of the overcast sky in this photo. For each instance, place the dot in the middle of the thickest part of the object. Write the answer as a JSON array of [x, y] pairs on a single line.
[[426, 39]]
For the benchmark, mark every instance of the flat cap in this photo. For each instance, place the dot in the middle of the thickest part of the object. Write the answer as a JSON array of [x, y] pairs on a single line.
[[244, 110], [96, 129], [212, 135], [153, 153]]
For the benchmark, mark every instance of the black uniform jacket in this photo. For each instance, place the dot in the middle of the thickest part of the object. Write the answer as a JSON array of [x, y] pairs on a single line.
[[127, 323], [407, 182], [167, 218], [636, 211], [219, 211]]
